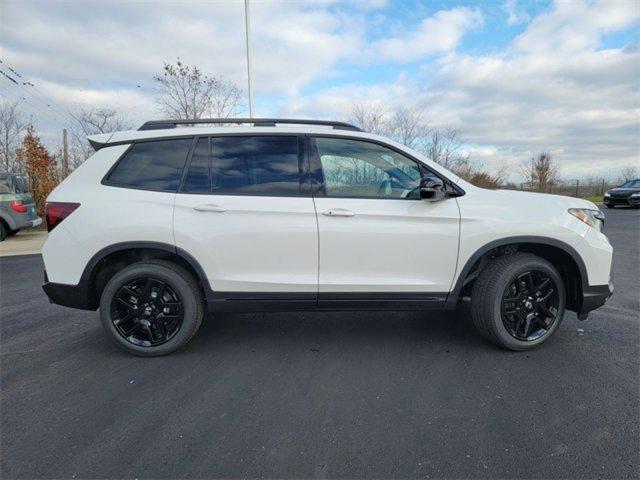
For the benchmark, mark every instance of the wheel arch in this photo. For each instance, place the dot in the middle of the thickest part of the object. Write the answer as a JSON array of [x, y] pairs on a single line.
[[7, 220], [105, 263], [562, 255]]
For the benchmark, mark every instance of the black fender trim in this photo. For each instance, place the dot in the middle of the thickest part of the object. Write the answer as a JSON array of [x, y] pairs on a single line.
[[79, 296], [452, 298]]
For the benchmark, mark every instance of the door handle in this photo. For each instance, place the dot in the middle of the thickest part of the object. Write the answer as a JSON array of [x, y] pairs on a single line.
[[209, 208], [338, 212]]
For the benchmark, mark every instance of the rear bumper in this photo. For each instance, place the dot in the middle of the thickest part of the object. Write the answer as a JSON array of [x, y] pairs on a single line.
[[26, 222], [73, 296]]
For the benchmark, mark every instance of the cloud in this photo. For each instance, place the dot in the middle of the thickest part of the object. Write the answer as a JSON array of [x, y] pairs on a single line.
[[554, 88], [559, 85], [515, 16], [439, 33], [575, 26]]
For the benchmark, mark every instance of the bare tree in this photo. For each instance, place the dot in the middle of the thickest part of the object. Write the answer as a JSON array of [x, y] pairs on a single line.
[[12, 126], [629, 173], [541, 172], [409, 127], [185, 92], [370, 117], [92, 122], [101, 120], [445, 148], [476, 174]]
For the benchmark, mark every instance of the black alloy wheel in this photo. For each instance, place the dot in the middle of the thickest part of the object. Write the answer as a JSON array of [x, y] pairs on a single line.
[[147, 312], [530, 305]]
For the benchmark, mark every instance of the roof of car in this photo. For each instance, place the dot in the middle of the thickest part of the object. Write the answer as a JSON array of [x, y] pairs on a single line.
[[169, 129], [178, 128]]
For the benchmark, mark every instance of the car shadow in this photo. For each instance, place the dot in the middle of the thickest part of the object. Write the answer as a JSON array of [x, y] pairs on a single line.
[[351, 329]]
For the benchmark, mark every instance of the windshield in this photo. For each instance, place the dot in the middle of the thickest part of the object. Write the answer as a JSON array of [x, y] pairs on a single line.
[[6, 185], [631, 184], [21, 185], [12, 184]]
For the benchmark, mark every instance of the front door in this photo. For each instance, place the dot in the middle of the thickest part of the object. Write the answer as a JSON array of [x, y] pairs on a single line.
[[379, 242], [246, 214]]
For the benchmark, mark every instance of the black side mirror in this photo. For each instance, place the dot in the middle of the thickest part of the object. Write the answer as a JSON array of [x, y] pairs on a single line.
[[432, 189]]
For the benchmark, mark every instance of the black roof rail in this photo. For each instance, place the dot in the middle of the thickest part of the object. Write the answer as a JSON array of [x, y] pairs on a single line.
[[257, 122]]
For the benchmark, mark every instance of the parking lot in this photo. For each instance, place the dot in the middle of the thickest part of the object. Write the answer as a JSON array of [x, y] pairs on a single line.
[[336, 395]]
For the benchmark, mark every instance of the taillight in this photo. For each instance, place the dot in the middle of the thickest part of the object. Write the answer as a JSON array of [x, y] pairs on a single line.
[[17, 206], [55, 212]]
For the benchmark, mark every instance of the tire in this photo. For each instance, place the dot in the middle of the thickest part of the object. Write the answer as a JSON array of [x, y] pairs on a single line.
[[12, 232], [610, 206], [167, 280], [4, 231], [513, 272]]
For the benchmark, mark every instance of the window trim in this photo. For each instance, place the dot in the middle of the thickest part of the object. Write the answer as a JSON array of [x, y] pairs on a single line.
[[315, 169], [105, 179], [304, 180]]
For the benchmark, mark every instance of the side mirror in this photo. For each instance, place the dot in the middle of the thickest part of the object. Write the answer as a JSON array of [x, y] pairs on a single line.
[[432, 189]]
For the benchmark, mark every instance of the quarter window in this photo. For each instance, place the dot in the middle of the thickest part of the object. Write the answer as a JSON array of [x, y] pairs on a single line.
[[155, 165], [353, 168]]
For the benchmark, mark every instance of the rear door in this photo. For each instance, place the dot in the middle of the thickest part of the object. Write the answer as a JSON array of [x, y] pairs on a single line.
[[245, 212], [379, 242]]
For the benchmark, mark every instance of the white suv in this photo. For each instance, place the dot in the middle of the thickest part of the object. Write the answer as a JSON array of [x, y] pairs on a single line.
[[164, 224]]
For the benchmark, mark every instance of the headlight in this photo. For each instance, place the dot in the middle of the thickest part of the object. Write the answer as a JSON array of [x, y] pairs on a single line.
[[637, 194], [607, 194], [593, 218]]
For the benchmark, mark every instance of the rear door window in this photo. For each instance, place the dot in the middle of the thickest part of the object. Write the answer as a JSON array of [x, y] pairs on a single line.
[[155, 165], [251, 165]]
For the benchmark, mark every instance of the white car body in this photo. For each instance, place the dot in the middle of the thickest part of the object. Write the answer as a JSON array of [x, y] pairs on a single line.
[[313, 247]]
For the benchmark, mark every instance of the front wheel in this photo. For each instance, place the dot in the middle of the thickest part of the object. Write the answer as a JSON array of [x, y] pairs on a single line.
[[518, 301], [151, 308]]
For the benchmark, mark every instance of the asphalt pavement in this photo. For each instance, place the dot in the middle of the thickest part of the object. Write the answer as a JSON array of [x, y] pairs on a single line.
[[321, 395]]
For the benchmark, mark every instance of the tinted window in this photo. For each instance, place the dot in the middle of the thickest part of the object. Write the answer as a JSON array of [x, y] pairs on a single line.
[[21, 185], [353, 168], [6, 185], [153, 165], [631, 184], [198, 176], [255, 166]]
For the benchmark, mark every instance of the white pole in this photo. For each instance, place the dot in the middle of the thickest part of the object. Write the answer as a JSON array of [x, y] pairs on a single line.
[[247, 24]]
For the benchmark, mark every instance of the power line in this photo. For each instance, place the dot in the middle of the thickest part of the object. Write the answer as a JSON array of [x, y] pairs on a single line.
[[37, 93], [44, 114]]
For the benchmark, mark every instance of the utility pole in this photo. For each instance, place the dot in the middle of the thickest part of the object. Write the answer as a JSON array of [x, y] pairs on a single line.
[[65, 153], [247, 25]]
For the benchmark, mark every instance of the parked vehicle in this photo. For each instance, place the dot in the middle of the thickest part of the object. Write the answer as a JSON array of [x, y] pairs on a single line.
[[164, 224], [17, 209], [626, 194]]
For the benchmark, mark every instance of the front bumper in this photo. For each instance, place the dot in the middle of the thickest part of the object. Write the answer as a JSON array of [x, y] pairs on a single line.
[[594, 297], [622, 200]]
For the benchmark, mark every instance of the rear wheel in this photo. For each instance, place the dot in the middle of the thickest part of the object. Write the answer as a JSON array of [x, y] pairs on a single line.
[[610, 205], [4, 231], [518, 301], [151, 308]]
